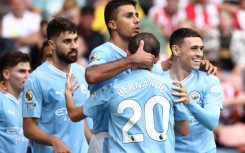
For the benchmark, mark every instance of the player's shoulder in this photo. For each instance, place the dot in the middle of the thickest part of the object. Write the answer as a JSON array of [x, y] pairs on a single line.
[[40, 73], [76, 66], [101, 48], [205, 76], [2, 96]]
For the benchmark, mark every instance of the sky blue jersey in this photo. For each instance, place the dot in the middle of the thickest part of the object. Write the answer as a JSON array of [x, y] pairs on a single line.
[[204, 109], [44, 98], [12, 139], [102, 54], [142, 113]]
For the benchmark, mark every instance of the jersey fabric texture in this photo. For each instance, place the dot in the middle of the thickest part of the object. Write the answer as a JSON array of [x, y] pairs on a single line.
[[102, 54], [205, 96], [142, 113], [44, 98], [11, 133]]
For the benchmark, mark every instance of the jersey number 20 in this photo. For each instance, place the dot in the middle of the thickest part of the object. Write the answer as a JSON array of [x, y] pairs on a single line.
[[149, 119]]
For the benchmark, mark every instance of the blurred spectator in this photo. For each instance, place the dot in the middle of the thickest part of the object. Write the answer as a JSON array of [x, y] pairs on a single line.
[[81, 51], [35, 50], [240, 16], [47, 8], [99, 23], [182, 3], [225, 46], [6, 45], [230, 130], [21, 25], [3, 7], [45, 52], [167, 17], [147, 25], [70, 10], [91, 37], [204, 13]]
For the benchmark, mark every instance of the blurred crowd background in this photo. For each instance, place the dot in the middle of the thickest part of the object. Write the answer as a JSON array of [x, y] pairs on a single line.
[[220, 22]]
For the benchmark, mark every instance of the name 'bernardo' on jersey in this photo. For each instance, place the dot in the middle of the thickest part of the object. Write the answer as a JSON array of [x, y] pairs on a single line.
[[124, 89]]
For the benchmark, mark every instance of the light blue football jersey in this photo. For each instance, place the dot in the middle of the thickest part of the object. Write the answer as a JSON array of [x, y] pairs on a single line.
[[12, 139], [142, 113], [206, 103], [44, 98], [102, 54]]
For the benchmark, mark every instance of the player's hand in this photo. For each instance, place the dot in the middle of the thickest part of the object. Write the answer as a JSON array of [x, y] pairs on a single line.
[[180, 92], [71, 84], [142, 58], [60, 147], [3, 89], [206, 66]]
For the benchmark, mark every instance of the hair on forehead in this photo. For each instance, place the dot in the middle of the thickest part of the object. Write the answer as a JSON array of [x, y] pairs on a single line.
[[178, 36], [60, 25], [111, 9], [11, 59]]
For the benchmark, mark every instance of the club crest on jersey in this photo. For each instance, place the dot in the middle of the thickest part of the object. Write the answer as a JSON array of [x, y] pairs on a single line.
[[195, 96], [29, 95]]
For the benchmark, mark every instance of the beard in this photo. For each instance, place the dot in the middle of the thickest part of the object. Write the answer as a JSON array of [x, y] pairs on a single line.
[[67, 58]]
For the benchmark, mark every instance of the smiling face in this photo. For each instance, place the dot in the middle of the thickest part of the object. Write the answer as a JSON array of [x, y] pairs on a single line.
[[191, 53], [65, 47], [126, 24]]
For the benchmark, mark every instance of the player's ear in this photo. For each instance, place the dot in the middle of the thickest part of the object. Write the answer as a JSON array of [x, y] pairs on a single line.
[[6, 74], [175, 50], [128, 52], [112, 25], [51, 44], [157, 58]]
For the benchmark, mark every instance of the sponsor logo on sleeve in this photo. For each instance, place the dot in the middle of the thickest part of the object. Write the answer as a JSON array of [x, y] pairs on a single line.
[[215, 89], [29, 96], [94, 57]]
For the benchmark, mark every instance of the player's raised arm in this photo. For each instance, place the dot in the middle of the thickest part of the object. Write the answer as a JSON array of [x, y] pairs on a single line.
[[74, 112], [102, 72]]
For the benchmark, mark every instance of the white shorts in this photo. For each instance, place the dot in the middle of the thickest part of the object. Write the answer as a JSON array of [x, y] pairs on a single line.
[[97, 141]]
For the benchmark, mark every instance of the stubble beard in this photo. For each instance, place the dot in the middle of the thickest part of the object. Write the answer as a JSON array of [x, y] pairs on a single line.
[[65, 57]]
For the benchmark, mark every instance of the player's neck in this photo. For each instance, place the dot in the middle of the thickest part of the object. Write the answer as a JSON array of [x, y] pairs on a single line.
[[12, 91], [60, 65], [178, 73], [123, 44]]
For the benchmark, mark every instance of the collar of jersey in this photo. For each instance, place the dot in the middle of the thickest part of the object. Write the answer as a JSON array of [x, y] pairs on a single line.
[[189, 77], [57, 70], [117, 49], [12, 98]]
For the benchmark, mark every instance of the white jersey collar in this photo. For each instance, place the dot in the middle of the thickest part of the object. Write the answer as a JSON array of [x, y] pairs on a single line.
[[12, 98], [119, 50]]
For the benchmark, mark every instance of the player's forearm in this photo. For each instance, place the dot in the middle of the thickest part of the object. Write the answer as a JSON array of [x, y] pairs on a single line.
[[102, 72], [208, 118], [34, 133], [87, 131], [75, 113]]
